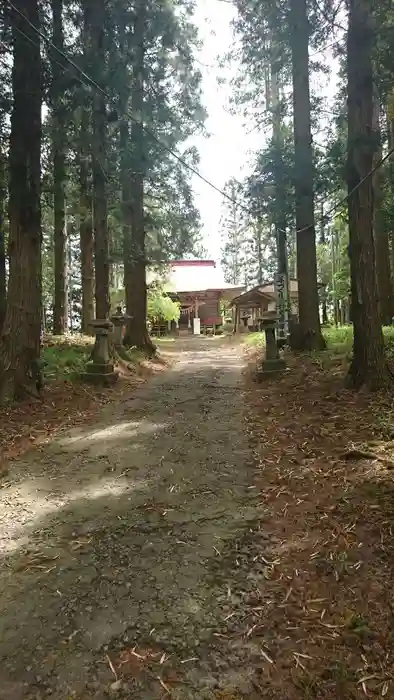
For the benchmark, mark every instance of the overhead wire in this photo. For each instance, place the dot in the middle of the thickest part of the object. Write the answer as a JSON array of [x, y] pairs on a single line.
[[95, 85], [346, 197], [92, 83]]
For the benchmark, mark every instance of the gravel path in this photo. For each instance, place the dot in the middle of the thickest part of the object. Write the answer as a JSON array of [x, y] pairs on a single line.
[[125, 546]]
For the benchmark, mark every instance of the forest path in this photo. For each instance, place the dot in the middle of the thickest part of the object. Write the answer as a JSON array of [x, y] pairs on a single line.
[[126, 545]]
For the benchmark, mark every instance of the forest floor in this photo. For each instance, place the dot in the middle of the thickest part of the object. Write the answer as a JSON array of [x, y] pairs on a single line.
[[325, 457], [65, 400], [204, 537]]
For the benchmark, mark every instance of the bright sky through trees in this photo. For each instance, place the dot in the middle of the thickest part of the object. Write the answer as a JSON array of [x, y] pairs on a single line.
[[227, 152]]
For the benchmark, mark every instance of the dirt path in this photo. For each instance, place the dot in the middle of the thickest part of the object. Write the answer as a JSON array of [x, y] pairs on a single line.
[[125, 545]]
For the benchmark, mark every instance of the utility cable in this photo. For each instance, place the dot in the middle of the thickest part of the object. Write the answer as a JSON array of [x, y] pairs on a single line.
[[92, 83]]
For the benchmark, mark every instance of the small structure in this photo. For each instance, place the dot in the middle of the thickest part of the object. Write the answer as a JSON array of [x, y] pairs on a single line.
[[259, 304], [273, 364], [199, 287], [100, 369]]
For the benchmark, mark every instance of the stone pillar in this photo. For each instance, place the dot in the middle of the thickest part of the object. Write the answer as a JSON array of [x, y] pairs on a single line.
[[100, 369], [119, 321], [273, 364]]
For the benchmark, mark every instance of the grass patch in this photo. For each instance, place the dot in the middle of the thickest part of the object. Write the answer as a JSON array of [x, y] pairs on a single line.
[[65, 357], [255, 339], [340, 339]]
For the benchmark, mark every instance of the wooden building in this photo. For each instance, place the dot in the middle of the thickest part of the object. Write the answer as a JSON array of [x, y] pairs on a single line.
[[259, 303], [199, 287]]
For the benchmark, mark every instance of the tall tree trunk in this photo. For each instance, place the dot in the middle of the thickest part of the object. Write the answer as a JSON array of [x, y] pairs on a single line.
[[310, 336], [126, 184], [3, 257], [85, 205], [381, 236], [368, 363], [135, 268], [95, 22], [334, 270], [60, 313], [280, 194], [86, 240], [390, 143], [20, 339], [70, 286], [260, 260], [324, 281]]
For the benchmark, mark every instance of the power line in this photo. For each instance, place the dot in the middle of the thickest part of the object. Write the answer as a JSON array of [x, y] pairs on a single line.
[[92, 83], [364, 179], [347, 196]]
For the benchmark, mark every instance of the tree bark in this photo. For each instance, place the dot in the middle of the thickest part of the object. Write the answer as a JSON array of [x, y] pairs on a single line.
[[277, 139], [324, 313], [381, 234], [280, 216], [135, 255], [3, 257], [368, 364], [260, 258], [126, 185], [60, 313], [20, 338], [309, 335], [85, 206], [95, 22], [86, 240]]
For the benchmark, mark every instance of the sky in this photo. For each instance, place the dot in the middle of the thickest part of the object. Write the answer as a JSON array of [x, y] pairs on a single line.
[[228, 151]]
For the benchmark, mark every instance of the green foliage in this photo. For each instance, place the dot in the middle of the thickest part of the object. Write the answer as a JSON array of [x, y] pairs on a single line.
[[172, 112], [255, 339], [65, 357], [340, 340], [234, 235], [161, 307]]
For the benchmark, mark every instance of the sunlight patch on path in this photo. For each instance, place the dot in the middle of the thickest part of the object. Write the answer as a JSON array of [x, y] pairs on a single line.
[[112, 432]]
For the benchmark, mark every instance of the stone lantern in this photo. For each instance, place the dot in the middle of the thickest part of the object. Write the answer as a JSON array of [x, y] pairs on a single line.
[[119, 321], [100, 369], [273, 364]]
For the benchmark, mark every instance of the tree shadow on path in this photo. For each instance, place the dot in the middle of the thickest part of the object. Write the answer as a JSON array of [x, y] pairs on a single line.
[[111, 542]]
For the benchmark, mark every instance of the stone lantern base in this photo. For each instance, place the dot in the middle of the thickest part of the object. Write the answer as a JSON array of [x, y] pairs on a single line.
[[271, 368]]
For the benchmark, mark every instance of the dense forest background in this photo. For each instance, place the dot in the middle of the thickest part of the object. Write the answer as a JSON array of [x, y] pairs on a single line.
[[302, 200], [99, 99]]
